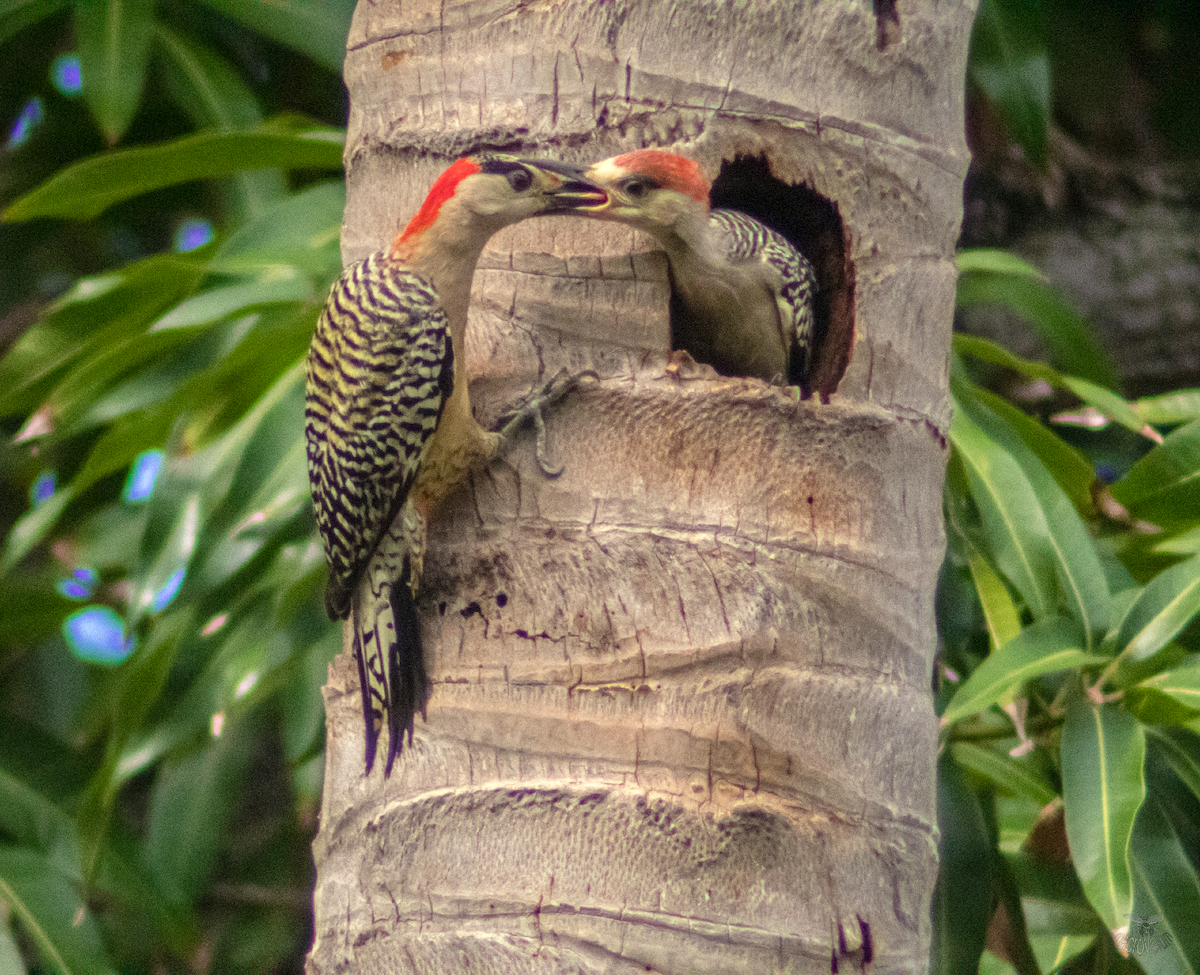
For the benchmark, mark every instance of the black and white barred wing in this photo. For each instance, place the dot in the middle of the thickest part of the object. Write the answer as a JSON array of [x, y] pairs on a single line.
[[746, 239], [379, 370]]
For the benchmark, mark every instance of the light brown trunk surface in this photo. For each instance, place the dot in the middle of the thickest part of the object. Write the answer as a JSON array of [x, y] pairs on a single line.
[[681, 718]]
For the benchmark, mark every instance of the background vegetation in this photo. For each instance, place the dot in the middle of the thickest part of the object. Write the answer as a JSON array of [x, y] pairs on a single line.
[[173, 202]]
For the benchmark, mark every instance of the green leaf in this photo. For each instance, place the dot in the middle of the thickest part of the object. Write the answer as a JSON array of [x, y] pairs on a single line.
[[962, 899], [1066, 336], [317, 28], [1162, 609], [1181, 406], [1016, 527], [1181, 684], [18, 14], [190, 806], [96, 314], [1180, 749], [217, 304], [141, 681], [33, 820], [1003, 623], [1008, 60], [1103, 400], [1016, 776], [204, 84], [1166, 879], [299, 233], [1073, 472], [1164, 486], [995, 261], [1082, 584], [1103, 751], [32, 528], [114, 50], [1046, 646], [1058, 918], [88, 188], [46, 902], [10, 955], [208, 88]]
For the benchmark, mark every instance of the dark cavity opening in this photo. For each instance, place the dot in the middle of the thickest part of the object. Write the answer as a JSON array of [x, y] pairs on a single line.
[[813, 224]]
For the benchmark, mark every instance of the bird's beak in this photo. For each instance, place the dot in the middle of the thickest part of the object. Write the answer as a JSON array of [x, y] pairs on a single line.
[[567, 189]]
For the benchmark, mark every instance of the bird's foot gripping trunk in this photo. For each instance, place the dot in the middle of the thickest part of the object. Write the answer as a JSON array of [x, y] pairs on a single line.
[[531, 409]]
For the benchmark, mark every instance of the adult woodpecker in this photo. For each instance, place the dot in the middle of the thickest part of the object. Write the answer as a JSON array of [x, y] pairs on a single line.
[[742, 294], [388, 423]]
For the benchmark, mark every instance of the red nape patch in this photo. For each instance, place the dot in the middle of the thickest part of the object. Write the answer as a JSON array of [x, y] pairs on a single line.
[[668, 170], [442, 189]]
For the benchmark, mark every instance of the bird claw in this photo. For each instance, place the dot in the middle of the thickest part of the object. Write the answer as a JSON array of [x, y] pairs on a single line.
[[549, 394]]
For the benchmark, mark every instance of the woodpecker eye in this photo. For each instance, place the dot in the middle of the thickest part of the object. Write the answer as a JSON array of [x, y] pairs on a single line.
[[635, 189], [520, 180]]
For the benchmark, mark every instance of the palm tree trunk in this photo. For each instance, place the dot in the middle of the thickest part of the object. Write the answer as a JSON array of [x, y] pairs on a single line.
[[681, 718]]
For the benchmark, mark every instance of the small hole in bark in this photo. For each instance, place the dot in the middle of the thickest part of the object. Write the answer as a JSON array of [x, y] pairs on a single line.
[[501, 599], [814, 225], [471, 609]]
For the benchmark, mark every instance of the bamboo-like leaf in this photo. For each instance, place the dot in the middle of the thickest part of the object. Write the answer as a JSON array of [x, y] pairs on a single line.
[[1073, 472], [1012, 775], [1046, 646], [1008, 60], [18, 14], [1103, 400], [114, 51], [1016, 527], [47, 903], [1163, 608], [1180, 683], [1103, 752], [217, 304], [189, 807], [1083, 586], [93, 316], [204, 84], [208, 88], [1164, 486], [963, 895], [995, 261], [33, 527], [1164, 930], [1003, 623], [1066, 335], [88, 188], [317, 28], [1181, 406], [1180, 749]]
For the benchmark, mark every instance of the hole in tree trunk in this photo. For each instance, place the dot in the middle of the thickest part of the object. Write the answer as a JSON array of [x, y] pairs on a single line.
[[814, 225]]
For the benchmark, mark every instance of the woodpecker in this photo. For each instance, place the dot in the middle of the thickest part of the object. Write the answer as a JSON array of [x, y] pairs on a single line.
[[388, 423], [742, 294]]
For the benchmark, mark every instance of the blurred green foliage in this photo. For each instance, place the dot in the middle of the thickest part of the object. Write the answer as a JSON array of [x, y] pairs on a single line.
[[162, 647]]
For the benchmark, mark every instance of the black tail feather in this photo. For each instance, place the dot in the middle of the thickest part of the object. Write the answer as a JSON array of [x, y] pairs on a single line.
[[372, 733], [409, 685]]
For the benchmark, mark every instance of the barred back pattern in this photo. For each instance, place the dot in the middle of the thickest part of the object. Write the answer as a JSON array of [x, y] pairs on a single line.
[[746, 239], [380, 369]]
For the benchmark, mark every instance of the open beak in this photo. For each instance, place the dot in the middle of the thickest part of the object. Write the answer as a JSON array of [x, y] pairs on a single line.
[[567, 189], [581, 194]]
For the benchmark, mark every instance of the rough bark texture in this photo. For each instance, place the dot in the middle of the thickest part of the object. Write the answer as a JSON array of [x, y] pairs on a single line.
[[681, 718]]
